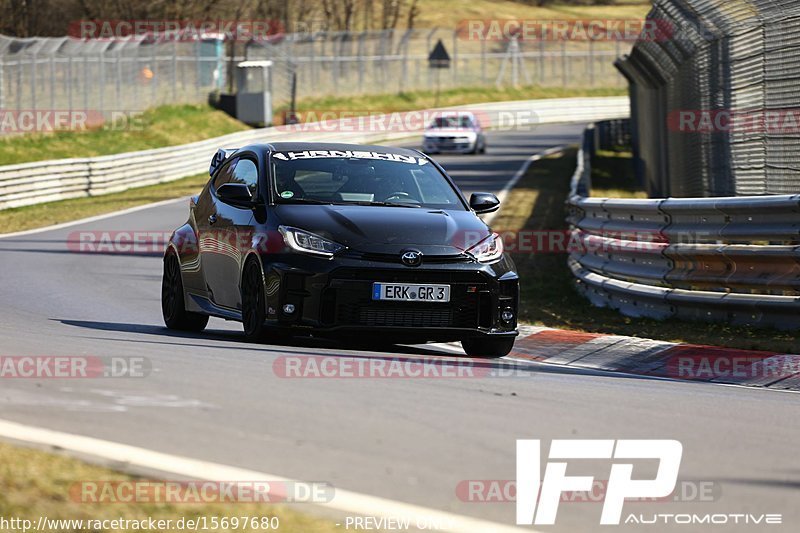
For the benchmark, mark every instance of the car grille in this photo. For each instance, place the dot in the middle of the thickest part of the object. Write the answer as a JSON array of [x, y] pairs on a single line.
[[450, 139], [432, 318], [348, 300], [410, 275], [426, 259]]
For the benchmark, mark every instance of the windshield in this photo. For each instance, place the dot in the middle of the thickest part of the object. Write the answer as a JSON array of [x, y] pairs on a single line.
[[452, 122], [365, 178]]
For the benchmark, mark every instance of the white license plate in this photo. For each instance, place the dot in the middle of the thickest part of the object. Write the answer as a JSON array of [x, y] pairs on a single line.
[[410, 292]]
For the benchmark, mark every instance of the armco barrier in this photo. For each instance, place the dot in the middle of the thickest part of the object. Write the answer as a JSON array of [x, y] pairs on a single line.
[[45, 181], [732, 259]]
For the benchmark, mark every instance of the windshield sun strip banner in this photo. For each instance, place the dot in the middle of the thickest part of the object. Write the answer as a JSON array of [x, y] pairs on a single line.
[[349, 154]]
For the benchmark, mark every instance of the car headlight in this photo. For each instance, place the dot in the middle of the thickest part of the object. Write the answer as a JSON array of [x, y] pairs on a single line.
[[488, 250], [307, 242]]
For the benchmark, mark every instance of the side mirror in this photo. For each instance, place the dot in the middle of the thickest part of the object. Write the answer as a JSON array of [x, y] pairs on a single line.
[[484, 202], [237, 194]]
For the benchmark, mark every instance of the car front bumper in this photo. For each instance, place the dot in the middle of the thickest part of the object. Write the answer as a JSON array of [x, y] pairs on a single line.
[[334, 297], [437, 144]]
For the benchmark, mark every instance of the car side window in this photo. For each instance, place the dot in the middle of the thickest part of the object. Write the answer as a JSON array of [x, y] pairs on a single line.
[[246, 172], [225, 174]]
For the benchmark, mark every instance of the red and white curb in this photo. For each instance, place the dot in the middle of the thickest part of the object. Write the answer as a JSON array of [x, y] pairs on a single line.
[[633, 355]]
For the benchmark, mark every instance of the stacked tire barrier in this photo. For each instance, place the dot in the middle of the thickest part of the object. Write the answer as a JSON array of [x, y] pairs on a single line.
[[46, 181], [726, 259], [714, 98]]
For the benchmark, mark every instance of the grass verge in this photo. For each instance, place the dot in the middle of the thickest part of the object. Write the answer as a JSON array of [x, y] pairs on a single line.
[[47, 214], [439, 13], [155, 128], [613, 176], [548, 297], [180, 124], [36, 484]]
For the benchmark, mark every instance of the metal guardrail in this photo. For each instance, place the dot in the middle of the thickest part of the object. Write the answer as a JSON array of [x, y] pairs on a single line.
[[46, 181], [726, 259]]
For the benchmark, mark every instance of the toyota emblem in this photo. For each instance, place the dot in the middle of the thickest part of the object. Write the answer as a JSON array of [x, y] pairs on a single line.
[[411, 258]]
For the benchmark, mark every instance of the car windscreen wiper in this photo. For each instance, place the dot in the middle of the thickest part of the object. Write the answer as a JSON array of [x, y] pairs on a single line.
[[329, 202], [305, 201], [385, 204]]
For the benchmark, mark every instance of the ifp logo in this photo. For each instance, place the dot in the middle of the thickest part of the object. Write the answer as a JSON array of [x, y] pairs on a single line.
[[620, 482]]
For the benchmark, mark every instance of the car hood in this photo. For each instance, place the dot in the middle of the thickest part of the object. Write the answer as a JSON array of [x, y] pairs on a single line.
[[377, 229]]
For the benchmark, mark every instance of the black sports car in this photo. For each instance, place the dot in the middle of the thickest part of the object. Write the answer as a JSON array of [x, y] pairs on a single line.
[[336, 239]]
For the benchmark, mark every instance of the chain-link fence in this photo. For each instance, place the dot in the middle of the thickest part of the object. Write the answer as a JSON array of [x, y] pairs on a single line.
[[375, 62], [107, 75], [715, 104]]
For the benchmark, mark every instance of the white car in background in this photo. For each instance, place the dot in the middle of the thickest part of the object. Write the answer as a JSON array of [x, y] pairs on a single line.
[[456, 132]]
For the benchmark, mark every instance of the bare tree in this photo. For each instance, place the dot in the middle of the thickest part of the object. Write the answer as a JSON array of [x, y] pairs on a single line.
[[26, 18], [340, 12]]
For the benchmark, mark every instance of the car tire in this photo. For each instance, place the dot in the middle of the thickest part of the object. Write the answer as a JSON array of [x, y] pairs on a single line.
[[483, 148], [173, 307], [253, 305], [488, 348]]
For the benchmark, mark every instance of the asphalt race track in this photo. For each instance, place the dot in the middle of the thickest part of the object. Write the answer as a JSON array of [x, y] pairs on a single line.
[[213, 397]]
